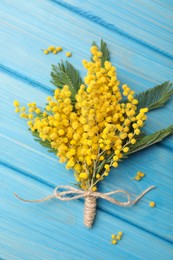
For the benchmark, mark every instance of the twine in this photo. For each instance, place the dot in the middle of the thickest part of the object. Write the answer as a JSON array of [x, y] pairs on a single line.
[[90, 199]]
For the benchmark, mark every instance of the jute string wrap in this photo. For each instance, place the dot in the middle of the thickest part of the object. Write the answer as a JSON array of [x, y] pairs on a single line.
[[90, 198]]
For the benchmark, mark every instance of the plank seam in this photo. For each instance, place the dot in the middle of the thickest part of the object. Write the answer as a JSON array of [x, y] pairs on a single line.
[[27, 174], [23, 78], [137, 226], [111, 27], [101, 209]]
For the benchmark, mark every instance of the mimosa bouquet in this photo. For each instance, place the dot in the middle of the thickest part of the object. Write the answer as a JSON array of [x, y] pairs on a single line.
[[92, 125]]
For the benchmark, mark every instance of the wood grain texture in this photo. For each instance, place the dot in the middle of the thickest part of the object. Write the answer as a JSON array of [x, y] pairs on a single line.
[[139, 35]]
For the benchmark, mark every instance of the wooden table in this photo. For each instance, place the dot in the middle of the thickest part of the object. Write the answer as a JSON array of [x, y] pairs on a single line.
[[139, 36]]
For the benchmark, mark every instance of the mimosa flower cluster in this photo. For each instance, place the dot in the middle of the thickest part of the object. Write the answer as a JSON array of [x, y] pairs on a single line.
[[139, 176], [103, 121], [117, 237], [56, 50], [53, 49]]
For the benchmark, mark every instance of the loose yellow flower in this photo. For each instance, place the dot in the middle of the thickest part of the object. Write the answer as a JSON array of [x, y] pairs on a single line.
[[152, 204], [141, 174], [55, 51], [113, 236], [51, 48], [59, 48], [118, 237], [137, 178], [114, 241], [68, 54]]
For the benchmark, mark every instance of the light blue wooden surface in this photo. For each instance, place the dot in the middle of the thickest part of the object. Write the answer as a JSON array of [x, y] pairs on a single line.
[[139, 35]]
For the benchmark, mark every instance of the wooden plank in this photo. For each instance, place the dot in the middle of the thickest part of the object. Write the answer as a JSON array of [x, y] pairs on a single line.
[[55, 230], [138, 21], [133, 67]]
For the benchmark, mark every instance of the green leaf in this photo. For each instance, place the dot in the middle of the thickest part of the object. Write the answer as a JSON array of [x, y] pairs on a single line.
[[105, 52], [145, 141], [155, 97], [151, 139], [52, 151], [76, 184], [45, 144], [65, 74]]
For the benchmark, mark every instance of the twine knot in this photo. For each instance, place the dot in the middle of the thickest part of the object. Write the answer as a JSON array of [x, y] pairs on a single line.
[[71, 193]]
